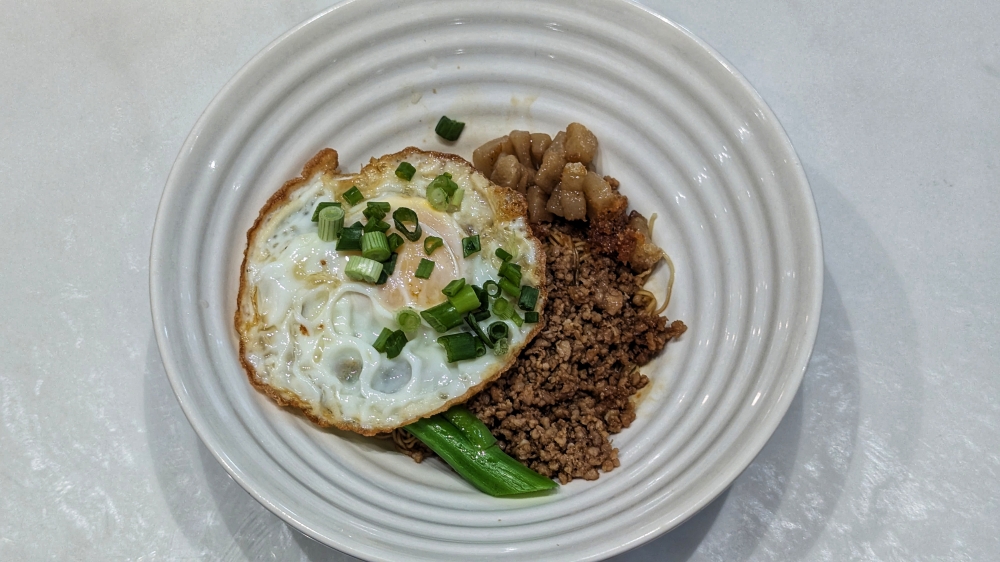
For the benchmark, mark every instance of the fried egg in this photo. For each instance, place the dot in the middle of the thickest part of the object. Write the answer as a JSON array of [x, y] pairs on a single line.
[[306, 329]]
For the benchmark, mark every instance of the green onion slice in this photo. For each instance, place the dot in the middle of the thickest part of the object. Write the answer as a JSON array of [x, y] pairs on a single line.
[[471, 321], [512, 271], [403, 215], [408, 320], [470, 245], [437, 198], [320, 206], [375, 246], [484, 299], [517, 320], [465, 300], [498, 330], [510, 288], [442, 317], [503, 254], [529, 297], [481, 315], [350, 238], [531, 317], [353, 196], [455, 201], [452, 288], [388, 266], [380, 342], [501, 347], [488, 287], [405, 171], [445, 182], [432, 243], [378, 225], [395, 241], [331, 222], [394, 345], [363, 269], [424, 269], [462, 346], [502, 308], [449, 129], [377, 209]]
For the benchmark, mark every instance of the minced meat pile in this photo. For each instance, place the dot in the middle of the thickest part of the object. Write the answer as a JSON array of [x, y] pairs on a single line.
[[572, 386]]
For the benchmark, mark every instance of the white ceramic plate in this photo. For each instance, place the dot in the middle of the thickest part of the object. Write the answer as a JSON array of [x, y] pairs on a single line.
[[687, 137]]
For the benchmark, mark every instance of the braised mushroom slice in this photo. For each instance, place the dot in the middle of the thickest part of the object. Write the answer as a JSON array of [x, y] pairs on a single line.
[[581, 144], [537, 199], [552, 164], [539, 144], [574, 204], [521, 144], [485, 157]]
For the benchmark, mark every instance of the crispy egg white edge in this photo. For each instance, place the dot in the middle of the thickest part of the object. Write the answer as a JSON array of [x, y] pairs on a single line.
[[505, 206]]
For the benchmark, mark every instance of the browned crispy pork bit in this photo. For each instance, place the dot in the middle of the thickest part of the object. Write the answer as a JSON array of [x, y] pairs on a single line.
[[557, 178]]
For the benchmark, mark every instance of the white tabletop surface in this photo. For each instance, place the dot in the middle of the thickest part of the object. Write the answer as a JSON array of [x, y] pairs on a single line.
[[890, 451]]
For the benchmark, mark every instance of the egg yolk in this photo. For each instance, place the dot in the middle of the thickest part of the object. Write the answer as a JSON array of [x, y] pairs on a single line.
[[403, 288]]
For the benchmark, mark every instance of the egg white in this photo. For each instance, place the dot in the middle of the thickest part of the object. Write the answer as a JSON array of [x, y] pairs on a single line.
[[306, 330]]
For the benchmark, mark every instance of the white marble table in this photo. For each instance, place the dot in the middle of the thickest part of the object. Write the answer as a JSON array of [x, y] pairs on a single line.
[[890, 451]]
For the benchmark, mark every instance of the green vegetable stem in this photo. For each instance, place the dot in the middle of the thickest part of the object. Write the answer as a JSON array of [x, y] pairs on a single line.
[[465, 443]]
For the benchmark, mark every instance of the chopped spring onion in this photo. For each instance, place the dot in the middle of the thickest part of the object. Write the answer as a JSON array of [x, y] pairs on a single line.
[[465, 300], [449, 129], [437, 198], [498, 330], [487, 286], [320, 207], [452, 288], [503, 254], [404, 215], [375, 246], [484, 299], [424, 269], [456, 199], [471, 321], [405, 171], [510, 288], [481, 315], [505, 310], [501, 347], [490, 470], [512, 271], [445, 182], [376, 209], [517, 320], [432, 243], [331, 222], [353, 196], [376, 225], [363, 269], [529, 297], [470, 245], [350, 238], [408, 320], [380, 342], [462, 346], [395, 241], [388, 266], [442, 317], [394, 345], [470, 426], [531, 317]]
